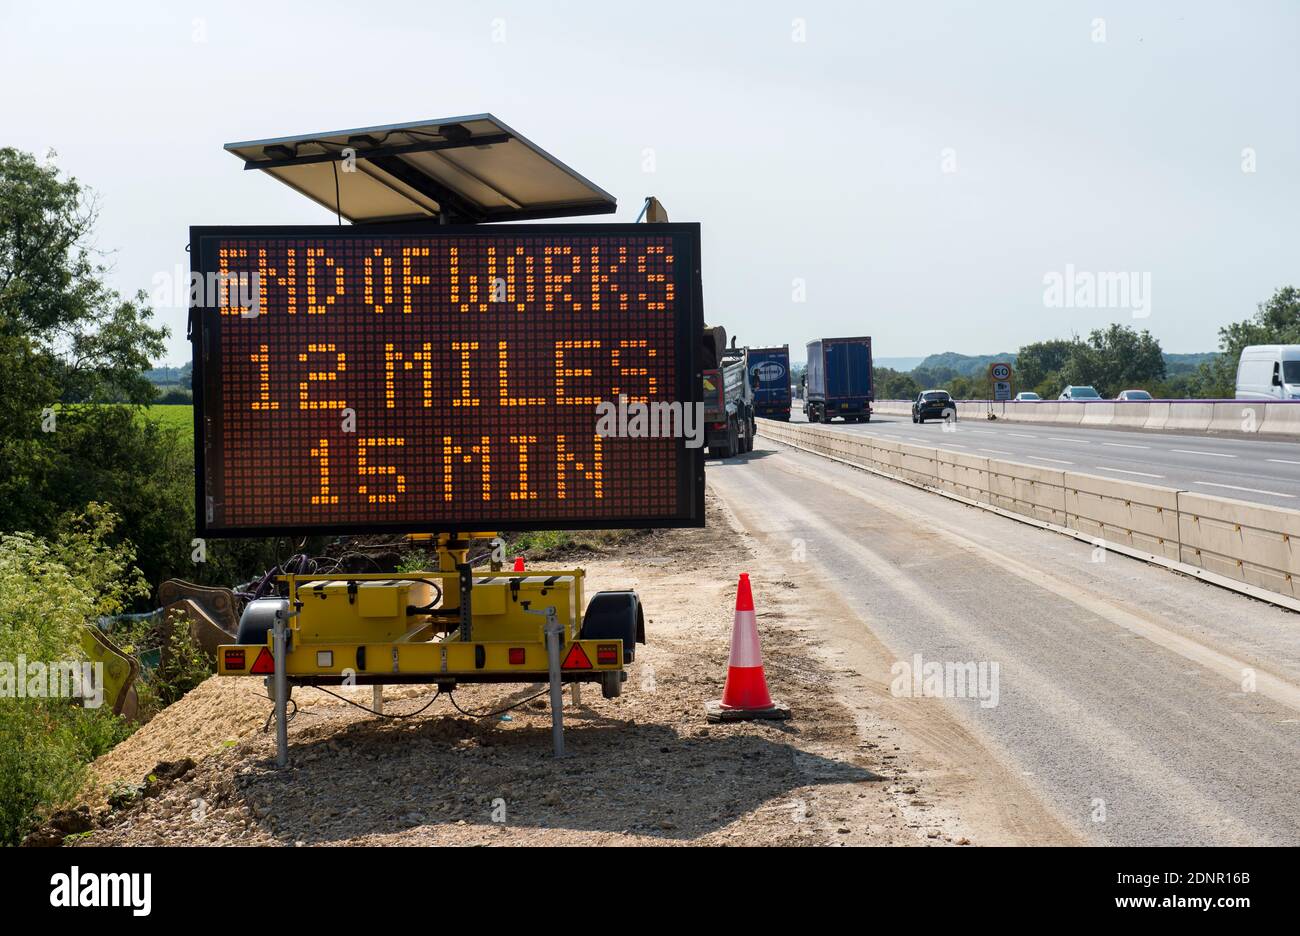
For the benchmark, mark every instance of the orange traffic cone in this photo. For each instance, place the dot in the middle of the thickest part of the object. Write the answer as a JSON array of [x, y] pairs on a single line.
[[519, 563], [745, 694]]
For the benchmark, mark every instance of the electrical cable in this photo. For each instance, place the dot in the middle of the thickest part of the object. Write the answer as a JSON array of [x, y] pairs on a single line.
[[451, 697], [366, 708], [338, 202]]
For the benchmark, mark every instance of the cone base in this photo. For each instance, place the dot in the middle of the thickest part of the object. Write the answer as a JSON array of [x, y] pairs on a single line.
[[717, 712]]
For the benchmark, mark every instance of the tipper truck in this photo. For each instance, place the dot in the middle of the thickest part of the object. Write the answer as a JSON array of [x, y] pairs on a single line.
[[728, 396], [769, 375], [839, 380]]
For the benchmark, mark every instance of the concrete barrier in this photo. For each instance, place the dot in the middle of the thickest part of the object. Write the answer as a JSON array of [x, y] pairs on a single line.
[[1027, 489], [1035, 412], [1194, 417], [1132, 415], [1157, 415], [1141, 516], [1098, 414], [1229, 417], [964, 475], [1070, 412], [1281, 418], [892, 407], [1253, 544], [1249, 542]]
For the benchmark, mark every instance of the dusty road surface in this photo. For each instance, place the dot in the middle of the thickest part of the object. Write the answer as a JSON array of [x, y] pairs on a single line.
[[1141, 706], [644, 769]]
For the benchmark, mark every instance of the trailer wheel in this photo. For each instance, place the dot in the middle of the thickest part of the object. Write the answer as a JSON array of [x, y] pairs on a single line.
[[258, 620], [611, 683], [615, 615]]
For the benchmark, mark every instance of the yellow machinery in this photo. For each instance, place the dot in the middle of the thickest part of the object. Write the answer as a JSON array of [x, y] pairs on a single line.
[[444, 627]]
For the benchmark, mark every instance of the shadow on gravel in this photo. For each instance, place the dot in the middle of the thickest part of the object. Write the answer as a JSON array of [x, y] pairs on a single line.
[[379, 779]]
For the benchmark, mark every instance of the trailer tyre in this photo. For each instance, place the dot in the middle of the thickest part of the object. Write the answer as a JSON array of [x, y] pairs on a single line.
[[615, 615], [611, 683], [258, 619]]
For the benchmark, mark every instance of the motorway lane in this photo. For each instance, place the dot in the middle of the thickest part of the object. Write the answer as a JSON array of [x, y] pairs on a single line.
[[1121, 697], [1251, 469]]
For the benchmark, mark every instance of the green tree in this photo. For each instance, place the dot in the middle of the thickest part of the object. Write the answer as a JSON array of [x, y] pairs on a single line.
[[50, 589], [1038, 365], [890, 384], [1115, 358]]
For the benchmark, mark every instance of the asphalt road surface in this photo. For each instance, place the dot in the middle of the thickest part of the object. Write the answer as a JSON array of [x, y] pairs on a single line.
[[1141, 706], [1252, 469]]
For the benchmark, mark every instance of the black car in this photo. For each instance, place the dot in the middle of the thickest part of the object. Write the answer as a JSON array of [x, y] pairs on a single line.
[[933, 404]]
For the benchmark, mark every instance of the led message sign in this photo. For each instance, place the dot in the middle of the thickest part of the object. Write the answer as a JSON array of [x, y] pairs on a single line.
[[443, 378]]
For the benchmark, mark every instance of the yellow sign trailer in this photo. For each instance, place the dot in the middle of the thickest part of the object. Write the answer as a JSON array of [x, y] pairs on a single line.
[[443, 627]]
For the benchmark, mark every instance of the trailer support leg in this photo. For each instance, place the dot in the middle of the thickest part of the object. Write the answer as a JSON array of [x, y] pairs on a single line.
[[553, 630], [280, 649]]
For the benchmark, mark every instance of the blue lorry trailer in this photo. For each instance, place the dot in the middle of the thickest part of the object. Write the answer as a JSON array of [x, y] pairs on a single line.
[[839, 380]]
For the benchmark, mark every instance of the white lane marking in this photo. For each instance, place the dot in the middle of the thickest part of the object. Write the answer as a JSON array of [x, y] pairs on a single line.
[[1021, 435], [952, 445], [1195, 452], [1143, 474], [1057, 460], [997, 451], [1075, 441], [1126, 445], [1233, 487], [1283, 461]]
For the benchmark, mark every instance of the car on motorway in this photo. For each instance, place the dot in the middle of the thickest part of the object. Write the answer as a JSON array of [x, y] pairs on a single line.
[[933, 404], [1026, 396], [1079, 392], [1269, 372], [1133, 395]]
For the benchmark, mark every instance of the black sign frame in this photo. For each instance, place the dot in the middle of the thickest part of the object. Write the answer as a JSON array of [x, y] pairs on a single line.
[[205, 335]]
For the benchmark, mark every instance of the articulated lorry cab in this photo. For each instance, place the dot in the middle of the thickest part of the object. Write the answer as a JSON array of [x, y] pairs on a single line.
[[728, 396], [769, 375], [839, 380]]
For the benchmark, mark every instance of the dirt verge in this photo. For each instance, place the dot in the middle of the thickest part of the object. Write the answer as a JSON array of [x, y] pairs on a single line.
[[643, 769]]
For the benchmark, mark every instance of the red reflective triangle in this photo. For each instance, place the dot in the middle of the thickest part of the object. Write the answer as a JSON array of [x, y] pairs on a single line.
[[264, 664], [576, 658]]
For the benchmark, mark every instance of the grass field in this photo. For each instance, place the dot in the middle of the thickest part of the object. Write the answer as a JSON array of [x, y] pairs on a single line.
[[180, 416]]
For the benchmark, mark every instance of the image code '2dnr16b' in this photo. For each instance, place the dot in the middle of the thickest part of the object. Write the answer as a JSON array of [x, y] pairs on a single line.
[[424, 377]]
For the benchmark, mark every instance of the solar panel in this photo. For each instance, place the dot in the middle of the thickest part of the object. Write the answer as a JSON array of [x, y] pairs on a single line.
[[463, 170]]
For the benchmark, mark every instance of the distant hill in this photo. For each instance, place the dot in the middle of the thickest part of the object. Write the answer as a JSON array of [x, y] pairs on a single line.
[[967, 365], [976, 365], [1176, 364]]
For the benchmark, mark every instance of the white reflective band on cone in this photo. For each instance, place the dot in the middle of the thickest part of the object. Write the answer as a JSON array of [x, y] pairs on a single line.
[[744, 640]]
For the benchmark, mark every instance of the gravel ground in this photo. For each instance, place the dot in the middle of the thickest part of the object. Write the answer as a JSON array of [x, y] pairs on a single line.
[[642, 769]]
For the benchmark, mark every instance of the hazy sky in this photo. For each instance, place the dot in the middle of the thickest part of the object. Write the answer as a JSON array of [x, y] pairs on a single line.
[[920, 167]]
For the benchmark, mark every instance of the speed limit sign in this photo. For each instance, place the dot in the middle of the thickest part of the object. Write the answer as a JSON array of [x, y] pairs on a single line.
[[1000, 371]]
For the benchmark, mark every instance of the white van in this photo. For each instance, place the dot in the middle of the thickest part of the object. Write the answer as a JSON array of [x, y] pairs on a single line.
[[1269, 372]]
